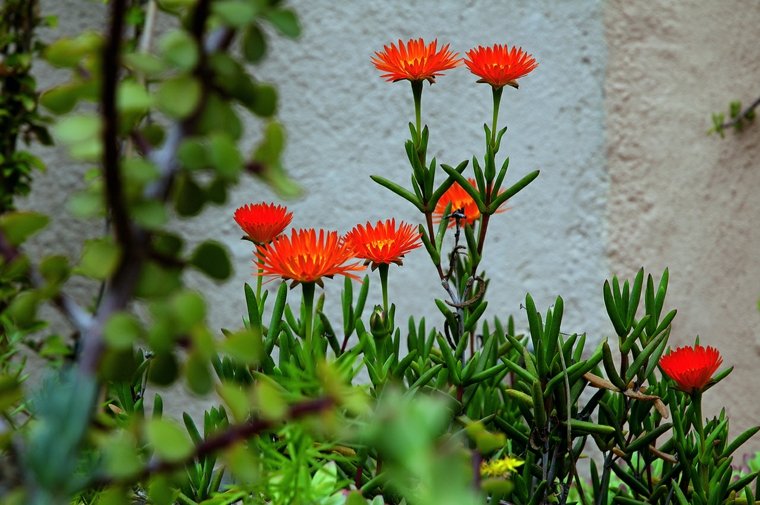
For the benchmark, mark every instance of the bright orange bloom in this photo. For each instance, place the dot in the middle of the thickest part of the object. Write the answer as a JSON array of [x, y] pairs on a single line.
[[383, 243], [306, 256], [691, 367], [499, 65], [414, 61], [262, 222], [460, 201]]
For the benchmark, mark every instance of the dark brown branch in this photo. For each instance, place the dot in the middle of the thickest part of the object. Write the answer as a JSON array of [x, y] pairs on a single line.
[[227, 438], [111, 171]]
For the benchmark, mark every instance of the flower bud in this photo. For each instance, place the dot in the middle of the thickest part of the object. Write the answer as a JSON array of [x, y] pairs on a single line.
[[378, 323]]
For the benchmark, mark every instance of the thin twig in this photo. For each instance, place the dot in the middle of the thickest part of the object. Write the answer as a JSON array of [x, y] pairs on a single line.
[[742, 115], [227, 438]]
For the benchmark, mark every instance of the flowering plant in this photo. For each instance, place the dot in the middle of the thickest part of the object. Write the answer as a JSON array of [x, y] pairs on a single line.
[[313, 408]]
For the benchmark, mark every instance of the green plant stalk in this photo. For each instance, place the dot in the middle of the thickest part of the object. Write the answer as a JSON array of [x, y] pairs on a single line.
[[383, 268], [696, 398], [308, 303], [417, 92], [260, 271], [496, 102]]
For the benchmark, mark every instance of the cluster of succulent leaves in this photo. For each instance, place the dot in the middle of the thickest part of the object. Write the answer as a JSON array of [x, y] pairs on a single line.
[[369, 411]]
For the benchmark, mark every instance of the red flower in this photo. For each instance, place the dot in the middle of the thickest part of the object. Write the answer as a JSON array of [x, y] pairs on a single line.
[[383, 243], [307, 257], [460, 201], [691, 367], [262, 222], [499, 65], [414, 61]]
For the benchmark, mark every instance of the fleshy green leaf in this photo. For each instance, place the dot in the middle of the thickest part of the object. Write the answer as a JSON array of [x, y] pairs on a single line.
[[19, 226], [179, 49], [178, 97], [211, 258], [169, 441]]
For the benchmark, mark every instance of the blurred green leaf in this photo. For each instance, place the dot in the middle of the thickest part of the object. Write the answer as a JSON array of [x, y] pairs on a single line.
[[198, 374], [189, 197], [77, 128], [69, 52], [19, 226], [163, 369], [254, 44], [178, 97], [122, 330], [237, 13], [121, 455], [169, 441], [100, 258], [133, 97], [286, 22], [269, 400], [192, 154], [179, 49], [10, 392], [245, 346], [265, 100], [211, 258], [224, 156]]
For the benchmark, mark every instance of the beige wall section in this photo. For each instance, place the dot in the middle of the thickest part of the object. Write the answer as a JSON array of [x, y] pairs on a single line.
[[682, 199]]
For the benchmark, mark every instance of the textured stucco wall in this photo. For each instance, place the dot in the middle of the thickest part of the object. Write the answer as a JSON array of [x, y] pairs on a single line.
[[679, 198]]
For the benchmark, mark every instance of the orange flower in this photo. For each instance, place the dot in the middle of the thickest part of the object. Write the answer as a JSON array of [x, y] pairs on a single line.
[[306, 256], [414, 61], [691, 367], [499, 65], [262, 222], [383, 243], [460, 201]]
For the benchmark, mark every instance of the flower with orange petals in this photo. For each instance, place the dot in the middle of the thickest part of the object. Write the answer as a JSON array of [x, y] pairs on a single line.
[[307, 256], [414, 61], [262, 222], [460, 200], [383, 243], [499, 65], [691, 367]]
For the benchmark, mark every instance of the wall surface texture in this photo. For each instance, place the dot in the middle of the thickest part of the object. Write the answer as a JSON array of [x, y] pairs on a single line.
[[677, 197], [614, 116]]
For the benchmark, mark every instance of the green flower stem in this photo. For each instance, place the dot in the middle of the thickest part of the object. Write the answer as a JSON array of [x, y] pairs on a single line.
[[496, 102], [383, 268], [696, 398], [260, 264], [417, 92], [308, 303]]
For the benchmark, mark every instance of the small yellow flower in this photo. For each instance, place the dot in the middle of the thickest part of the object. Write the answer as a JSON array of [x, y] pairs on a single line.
[[501, 467]]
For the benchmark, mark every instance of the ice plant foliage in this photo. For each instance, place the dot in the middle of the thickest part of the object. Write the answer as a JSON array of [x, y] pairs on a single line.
[[383, 243], [307, 256], [262, 222], [414, 61], [691, 367], [461, 202], [499, 65]]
